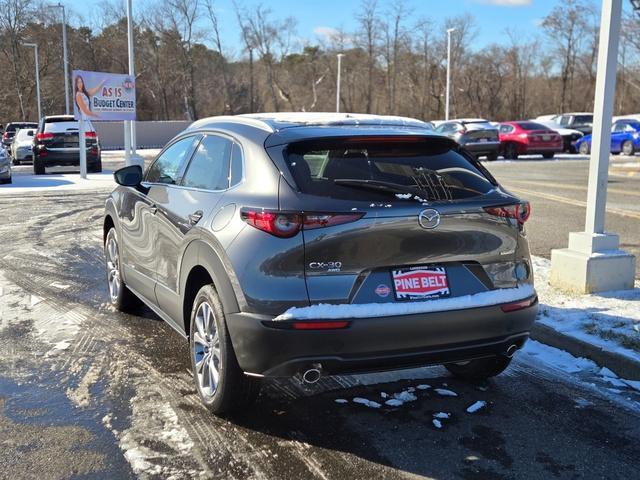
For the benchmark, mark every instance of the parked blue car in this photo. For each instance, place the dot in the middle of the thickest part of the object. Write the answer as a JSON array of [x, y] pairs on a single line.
[[625, 138]]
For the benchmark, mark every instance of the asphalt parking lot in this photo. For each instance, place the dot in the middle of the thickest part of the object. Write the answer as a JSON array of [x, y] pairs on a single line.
[[87, 392]]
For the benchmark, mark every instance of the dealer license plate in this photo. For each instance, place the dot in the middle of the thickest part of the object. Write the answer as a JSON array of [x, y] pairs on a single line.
[[420, 283]]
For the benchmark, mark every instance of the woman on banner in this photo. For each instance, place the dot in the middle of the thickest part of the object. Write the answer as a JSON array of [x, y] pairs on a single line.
[[83, 97]]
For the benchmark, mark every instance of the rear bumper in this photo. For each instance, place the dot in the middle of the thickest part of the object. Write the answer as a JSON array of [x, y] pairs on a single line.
[[381, 343], [66, 159], [533, 150], [482, 148]]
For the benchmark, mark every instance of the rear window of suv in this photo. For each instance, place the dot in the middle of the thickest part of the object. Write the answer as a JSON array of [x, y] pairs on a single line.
[[383, 168]]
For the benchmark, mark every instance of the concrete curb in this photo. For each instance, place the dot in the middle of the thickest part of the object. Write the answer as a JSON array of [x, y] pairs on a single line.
[[621, 365]]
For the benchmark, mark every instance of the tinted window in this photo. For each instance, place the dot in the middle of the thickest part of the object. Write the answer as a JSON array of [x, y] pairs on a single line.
[[168, 165], [209, 168], [532, 126], [505, 128], [582, 119], [236, 164], [430, 165], [564, 120], [12, 127], [619, 127]]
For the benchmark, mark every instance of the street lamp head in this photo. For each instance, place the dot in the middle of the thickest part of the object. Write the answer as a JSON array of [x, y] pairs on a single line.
[[451, 30], [340, 55], [30, 44]]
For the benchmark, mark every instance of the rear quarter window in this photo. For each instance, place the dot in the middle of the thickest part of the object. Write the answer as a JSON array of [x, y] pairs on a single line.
[[433, 166]]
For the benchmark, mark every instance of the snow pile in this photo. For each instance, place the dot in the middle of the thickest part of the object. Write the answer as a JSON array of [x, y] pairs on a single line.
[[366, 403], [443, 392], [476, 406], [436, 423], [367, 310], [609, 319], [442, 415]]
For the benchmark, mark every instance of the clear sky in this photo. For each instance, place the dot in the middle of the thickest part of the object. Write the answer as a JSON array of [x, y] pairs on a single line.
[[493, 17]]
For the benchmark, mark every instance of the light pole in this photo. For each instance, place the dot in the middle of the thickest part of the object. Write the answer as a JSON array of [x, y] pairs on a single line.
[[593, 261], [131, 157], [65, 55], [35, 47], [446, 110], [338, 80]]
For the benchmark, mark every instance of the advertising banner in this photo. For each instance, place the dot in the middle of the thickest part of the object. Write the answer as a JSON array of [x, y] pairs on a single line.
[[99, 96]]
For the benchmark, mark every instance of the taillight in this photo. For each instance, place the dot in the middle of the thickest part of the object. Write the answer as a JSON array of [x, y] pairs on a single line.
[[519, 211], [330, 325], [5, 136], [280, 224], [44, 136], [90, 135], [320, 220], [515, 306], [288, 224]]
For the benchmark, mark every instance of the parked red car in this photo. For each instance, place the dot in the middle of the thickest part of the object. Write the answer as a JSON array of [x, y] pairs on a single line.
[[528, 138]]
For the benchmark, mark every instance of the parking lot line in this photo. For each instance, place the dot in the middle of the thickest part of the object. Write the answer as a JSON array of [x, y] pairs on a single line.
[[577, 203]]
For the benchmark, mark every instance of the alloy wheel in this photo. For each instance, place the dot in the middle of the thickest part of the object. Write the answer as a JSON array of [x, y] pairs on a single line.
[[113, 268], [206, 350]]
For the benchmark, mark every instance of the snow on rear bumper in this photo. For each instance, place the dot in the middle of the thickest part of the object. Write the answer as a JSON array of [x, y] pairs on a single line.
[[376, 310]]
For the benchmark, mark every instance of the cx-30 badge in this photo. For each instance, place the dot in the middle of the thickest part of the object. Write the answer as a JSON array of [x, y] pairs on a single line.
[[429, 218]]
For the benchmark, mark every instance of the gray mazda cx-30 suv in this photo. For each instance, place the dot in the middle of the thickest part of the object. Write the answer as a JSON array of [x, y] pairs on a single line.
[[313, 244]]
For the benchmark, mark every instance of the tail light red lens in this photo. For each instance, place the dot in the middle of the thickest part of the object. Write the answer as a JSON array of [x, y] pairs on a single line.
[[280, 224], [320, 220], [5, 136], [288, 224], [519, 211], [44, 136], [90, 135], [515, 306]]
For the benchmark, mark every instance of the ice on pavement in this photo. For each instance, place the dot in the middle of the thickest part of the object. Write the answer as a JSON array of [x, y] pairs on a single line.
[[368, 310], [341, 400], [445, 392], [436, 423], [423, 386], [394, 402], [367, 403], [476, 406]]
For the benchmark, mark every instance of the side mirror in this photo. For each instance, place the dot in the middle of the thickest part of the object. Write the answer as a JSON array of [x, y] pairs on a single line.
[[130, 176], [30, 133]]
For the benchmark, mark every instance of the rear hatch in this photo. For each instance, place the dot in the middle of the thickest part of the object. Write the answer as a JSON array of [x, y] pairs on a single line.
[[63, 134], [392, 219], [479, 132]]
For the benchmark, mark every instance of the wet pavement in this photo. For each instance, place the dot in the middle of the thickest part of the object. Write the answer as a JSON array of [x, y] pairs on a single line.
[[87, 392]]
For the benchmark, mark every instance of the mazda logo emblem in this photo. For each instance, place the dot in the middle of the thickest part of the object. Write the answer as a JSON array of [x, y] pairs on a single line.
[[429, 218]]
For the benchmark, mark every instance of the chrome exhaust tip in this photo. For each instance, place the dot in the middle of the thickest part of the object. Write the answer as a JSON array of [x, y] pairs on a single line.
[[511, 351], [312, 375]]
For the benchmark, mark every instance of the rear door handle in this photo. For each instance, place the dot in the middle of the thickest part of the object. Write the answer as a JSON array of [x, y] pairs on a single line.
[[195, 217]]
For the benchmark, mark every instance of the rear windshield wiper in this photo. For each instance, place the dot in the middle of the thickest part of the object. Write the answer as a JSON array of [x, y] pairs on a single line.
[[379, 186]]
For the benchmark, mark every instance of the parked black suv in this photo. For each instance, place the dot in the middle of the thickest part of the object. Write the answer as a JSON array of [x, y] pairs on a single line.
[[313, 244], [56, 144]]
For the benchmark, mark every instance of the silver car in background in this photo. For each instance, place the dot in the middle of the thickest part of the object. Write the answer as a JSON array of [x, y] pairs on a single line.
[[479, 136], [22, 146]]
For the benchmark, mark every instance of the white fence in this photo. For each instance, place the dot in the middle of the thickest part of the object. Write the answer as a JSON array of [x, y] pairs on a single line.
[[149, 134]]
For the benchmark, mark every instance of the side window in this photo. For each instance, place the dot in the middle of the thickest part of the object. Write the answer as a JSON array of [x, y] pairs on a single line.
[[168, 166], [564, 120], [209, 168], [505, 128], [618, 127], [236, 165]]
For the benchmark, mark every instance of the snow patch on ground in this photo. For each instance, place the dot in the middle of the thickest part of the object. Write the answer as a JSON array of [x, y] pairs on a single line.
[[366, 403], [443, 392], [369, 310], [609, 319], [476, 406], [436, 423], [81, 395]]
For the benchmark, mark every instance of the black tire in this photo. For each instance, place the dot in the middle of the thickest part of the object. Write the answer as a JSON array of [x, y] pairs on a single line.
[[6, 181], [492, 157], [479, 369], [584, 148], [124, 300], [628, 149], [233, 391], [38, 166], [96, 169], [511, 151], [16, 161], [548, 155]]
